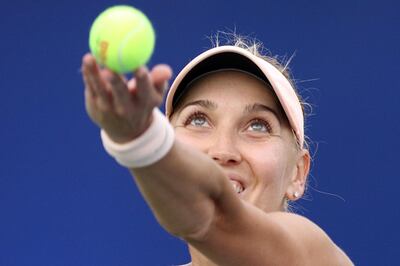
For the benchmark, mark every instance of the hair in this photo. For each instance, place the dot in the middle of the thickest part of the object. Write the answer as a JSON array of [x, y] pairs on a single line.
[[258, 49]]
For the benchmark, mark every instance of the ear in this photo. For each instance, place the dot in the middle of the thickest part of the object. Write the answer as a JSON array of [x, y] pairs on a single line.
[[297, 184]]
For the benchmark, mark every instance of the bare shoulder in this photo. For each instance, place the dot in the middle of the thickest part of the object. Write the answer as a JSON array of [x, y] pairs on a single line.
[[318, 245], [249, 236]]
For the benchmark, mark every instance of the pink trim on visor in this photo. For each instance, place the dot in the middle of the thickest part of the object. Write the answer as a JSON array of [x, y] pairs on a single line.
[[233, 57]]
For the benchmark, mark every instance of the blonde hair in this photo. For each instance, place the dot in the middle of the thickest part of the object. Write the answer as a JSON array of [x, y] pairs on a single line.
[[258, 49]]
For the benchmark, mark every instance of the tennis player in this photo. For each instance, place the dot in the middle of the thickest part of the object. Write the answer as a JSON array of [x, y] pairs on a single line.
[[220, 169]]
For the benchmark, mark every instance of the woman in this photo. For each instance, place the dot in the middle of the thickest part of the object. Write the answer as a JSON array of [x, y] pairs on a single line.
[[221, 172]]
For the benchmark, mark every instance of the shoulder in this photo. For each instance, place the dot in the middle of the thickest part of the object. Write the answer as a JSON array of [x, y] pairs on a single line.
[[316, 243], [252, 237]]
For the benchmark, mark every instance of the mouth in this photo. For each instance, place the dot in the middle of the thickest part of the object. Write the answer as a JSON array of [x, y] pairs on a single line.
[[237, 186]]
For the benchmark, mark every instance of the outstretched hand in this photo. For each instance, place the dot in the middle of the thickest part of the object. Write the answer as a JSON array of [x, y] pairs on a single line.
[[123, 108]]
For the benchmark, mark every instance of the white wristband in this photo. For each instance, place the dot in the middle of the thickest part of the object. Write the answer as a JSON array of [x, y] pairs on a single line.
[[145, 150]]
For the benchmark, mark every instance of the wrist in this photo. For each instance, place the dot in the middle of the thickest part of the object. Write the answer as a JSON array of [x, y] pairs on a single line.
[[148, 148], [128, 133], [125, 136]]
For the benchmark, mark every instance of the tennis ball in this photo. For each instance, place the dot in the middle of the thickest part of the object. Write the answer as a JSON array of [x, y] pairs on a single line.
[[122, 38]]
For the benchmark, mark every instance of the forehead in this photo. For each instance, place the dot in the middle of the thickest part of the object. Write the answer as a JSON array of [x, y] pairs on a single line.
[[233, 87]]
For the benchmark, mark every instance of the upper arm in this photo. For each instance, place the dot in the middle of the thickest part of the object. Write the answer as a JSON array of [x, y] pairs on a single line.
[[242, 234]]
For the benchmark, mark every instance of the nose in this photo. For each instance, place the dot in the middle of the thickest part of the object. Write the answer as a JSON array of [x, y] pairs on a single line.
[[224, 151]]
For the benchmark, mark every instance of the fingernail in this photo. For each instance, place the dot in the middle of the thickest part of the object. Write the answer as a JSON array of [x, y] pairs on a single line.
[[141, 72], [108, 74]]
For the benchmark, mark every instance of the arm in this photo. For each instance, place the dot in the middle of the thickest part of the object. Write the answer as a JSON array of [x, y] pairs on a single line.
[[181, 193], [188, 192], [192, 199]]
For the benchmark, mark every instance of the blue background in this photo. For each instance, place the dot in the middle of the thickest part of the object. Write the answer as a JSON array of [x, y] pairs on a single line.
[[63, 201]]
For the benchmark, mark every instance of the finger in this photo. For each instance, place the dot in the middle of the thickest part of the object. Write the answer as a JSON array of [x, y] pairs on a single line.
[[89, 101], [88, 86], [119, 91], [96, 82], [144, 86], [160, 76], [132, 85], [90, 92]]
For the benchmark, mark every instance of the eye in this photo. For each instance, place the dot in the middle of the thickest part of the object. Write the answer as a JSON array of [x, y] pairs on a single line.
[[259, 125], [197, 119]]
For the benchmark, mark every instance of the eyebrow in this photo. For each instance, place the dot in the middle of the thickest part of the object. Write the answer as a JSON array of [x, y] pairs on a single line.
[[250, 108], [257, 107], [203, 103]]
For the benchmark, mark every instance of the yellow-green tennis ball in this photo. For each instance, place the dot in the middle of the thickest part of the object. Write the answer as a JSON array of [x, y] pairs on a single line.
[[122, 38]]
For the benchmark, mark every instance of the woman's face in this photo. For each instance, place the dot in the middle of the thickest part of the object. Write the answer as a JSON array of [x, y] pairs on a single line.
[[236, 120]]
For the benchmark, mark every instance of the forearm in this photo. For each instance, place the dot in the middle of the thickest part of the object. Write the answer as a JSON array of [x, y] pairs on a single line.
[[182, 190], [181, 187]]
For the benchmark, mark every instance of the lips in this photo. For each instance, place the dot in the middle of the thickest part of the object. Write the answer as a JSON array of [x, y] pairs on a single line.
[[237, 186], [237, 182]]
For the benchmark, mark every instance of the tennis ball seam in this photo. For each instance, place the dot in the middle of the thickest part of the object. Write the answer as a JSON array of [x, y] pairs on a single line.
[[129, 36], [125, 42]]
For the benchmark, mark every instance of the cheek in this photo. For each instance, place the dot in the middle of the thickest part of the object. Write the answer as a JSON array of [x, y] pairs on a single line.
[[268, 163], [190, 139]]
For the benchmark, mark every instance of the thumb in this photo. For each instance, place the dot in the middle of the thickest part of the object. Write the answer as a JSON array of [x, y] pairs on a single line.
[[160, 75]]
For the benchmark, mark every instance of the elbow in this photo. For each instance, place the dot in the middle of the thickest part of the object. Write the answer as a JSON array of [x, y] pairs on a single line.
[[194, 233], [190, 232], [193, 225], [197, 235]]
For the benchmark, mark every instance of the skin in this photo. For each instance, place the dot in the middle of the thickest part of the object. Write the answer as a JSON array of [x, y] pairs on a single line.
[[190, 190], [257, 145]]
